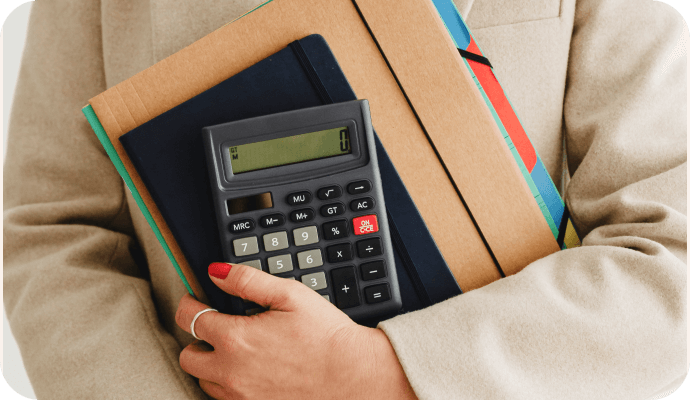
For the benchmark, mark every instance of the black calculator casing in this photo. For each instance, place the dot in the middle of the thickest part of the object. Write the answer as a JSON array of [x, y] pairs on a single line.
[[308, 176]]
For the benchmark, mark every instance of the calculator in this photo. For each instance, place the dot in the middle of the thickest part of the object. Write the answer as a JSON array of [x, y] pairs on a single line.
[[298, 195]]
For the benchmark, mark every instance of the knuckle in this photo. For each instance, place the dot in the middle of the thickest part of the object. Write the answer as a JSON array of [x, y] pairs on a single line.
[[244, 280]]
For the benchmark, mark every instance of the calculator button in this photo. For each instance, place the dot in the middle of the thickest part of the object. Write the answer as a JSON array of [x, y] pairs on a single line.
[[345, 287], [309, 259], [252, 263], [303, 215], [316, 281], [377, 293], [369, 248], [364, 204], [359, 187], [298, 198], [339, 253], [276, 241], [365, 224], [279, 264], [241, 226], [245, 246], [335, 230], [253, 311], [331, 210], [329, 192], [327, 297], [373, 270], [272, 221], [305, 236]]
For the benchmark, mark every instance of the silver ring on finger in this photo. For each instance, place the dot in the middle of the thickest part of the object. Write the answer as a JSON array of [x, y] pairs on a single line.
[[191, 328]]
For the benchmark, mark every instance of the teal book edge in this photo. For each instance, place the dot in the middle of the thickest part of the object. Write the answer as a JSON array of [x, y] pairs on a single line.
[[115, 159]]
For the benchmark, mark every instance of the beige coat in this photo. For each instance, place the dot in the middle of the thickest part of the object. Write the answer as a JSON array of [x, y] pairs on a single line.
[[91, 296]]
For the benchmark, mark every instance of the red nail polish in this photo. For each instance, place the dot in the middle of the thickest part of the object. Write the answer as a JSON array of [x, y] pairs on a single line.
[[219, 270]]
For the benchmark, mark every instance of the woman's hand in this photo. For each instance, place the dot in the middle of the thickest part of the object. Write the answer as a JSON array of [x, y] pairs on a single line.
[[303, 347]]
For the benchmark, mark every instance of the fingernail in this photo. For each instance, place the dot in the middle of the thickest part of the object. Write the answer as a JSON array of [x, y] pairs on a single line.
[[219, 270]]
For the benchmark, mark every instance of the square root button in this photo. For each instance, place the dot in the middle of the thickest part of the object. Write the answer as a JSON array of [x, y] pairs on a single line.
[[365, 224]]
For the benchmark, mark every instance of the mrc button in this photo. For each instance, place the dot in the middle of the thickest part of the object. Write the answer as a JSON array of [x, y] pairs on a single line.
[[298, 198], [244, 225]]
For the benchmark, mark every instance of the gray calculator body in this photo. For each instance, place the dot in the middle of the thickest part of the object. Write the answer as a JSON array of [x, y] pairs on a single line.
[[319, 215]]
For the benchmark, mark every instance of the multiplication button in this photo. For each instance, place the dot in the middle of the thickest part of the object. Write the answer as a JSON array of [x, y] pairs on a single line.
[[335, 230], [345, 287], [339, 253]]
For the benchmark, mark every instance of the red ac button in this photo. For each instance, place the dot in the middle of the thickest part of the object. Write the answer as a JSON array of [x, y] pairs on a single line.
[[365, 224]]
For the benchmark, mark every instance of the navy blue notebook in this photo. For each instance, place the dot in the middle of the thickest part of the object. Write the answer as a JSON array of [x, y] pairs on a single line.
[[168, 154]]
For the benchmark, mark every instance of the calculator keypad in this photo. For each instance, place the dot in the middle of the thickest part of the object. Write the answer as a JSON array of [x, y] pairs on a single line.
[[309, 243]]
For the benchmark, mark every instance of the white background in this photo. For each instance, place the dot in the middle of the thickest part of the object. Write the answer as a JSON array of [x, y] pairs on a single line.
[[13, 35]]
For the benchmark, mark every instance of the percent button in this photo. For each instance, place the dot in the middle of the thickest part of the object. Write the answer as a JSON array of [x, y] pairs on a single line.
[[335, 230]]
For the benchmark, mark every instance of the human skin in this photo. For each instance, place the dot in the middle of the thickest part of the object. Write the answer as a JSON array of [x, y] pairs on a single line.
[[302, 347]]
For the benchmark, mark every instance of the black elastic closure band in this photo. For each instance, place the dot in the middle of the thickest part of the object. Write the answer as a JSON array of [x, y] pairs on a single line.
[[475, 57], [563, 227], [311, 72]]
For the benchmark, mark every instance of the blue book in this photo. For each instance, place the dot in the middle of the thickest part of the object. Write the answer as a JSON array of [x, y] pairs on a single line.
[[168, 154]]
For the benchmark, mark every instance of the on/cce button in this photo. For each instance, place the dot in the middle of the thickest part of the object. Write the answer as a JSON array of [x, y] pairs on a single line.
[[365, 224]]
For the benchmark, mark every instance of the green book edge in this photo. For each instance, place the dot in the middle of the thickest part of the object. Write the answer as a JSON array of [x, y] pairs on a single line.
[[115, 159]]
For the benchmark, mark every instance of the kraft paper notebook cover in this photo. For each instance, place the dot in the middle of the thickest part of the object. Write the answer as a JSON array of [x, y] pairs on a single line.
[[168, 154], [364, 41]]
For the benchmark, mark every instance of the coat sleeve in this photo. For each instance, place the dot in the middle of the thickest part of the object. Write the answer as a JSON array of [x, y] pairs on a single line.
[[78, 303], [606, 320]]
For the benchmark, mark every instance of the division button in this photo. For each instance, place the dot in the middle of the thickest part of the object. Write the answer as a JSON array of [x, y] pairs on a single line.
[[365, 224], [309, 259], [306, 235], [279, 264], [316, 281], [335, 230], [245, 246], [298, 198], [377, 293], [272, 221], [244, 225], [329, 192], [345, 287], [369, 248], [331, 210], [373, 270], [339, 253], [359, 187], [303, 215], [276, 241], [364, 204]]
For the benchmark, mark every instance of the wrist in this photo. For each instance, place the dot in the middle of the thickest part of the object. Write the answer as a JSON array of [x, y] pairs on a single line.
[[389, 378]]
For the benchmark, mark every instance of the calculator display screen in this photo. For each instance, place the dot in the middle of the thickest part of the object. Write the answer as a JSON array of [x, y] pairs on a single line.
[[290, 150]]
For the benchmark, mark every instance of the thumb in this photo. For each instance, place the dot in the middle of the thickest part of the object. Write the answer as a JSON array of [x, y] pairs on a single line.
[[263, 289]]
